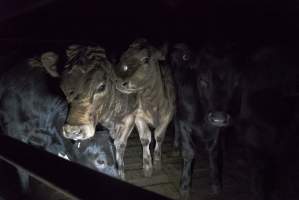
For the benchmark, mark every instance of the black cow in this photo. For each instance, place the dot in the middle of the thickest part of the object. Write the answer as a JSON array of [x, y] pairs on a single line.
[[33, 110], [206, 86], [266, 128]]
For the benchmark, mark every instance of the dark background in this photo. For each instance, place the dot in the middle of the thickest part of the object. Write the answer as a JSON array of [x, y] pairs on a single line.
[[114, 23], [34, 26]]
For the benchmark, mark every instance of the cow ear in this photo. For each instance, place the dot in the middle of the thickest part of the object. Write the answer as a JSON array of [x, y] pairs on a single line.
[[49, 61], [139, 43], [161, 52]]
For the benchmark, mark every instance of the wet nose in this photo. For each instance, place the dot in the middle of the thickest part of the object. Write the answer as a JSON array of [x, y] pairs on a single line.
[[219, 118], [71, 131]]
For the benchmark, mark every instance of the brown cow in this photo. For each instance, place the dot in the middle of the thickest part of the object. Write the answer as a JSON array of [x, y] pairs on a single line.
[[87, 82], [141, 72]]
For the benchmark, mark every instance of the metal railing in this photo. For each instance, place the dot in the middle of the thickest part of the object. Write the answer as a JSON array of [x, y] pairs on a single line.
[[71, 179]]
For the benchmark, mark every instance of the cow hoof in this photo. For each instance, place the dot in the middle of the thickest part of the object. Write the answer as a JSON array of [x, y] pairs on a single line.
[[157, 165], [148, 172], [122, 176], [216, 189], [184, 195]]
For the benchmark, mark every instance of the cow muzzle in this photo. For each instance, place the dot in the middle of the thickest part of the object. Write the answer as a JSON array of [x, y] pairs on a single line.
[[219, 119], [126, 87], [78, 132]]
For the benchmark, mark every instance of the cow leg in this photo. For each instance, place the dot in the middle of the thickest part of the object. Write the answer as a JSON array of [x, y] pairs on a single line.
[[188, 159], [257, 179], [216, 162], [145, 138], [256, 158], [120, 143], [176, 134], [176, 137], [159, 137], [257, 174], [24, 180]]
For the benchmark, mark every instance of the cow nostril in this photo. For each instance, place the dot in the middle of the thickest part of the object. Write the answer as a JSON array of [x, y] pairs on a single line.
[[220, 118], [72, 130], [76, 98], [77, 132], [125, 83]]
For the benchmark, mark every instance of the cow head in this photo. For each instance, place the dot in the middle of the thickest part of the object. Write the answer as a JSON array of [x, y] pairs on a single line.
[[182, 56], [97, 153], [217, 83], [85, 83], [138, 66]]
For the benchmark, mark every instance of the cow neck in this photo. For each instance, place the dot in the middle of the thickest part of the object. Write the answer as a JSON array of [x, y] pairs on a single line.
[[150, 97]]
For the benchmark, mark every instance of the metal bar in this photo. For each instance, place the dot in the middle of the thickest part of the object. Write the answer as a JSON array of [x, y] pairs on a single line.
[[70, 178]]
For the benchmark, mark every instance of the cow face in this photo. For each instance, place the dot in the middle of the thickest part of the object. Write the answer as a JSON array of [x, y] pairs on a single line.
[[137, 67], [217, 83], [84, 81], [182, 56], [97, 153], [85, 85]]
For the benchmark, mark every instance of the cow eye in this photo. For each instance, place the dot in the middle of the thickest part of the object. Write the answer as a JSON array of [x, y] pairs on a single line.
[[101, 87], [101, 162], [125, 68], [145, 60], [185, 57]]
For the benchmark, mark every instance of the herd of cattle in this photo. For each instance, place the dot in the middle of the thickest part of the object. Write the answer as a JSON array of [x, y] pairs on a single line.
[[58, 101]]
